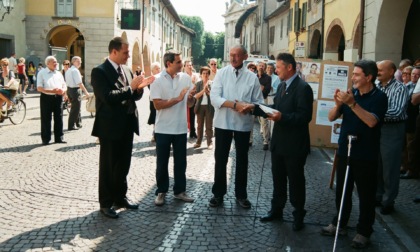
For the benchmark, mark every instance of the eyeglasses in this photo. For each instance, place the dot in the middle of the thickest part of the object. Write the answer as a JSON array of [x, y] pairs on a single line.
[[4, 65], [66, 64], [406, 73], [212, 64]]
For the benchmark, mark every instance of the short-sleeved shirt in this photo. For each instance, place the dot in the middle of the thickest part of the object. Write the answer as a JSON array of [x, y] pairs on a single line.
[[172, 120], [73, 77], [366, 146], [50, 80], [12, 64]]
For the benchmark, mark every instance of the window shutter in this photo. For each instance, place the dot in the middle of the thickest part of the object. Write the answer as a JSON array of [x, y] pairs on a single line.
[[281, 28], [297, 18], [289, 20], [304, 14], [65, 8], [272, 33]]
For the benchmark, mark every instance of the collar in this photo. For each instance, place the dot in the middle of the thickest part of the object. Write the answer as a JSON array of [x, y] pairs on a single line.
[[290, 80], [115, 65], [356, 92], [240, 68], [389, 83]]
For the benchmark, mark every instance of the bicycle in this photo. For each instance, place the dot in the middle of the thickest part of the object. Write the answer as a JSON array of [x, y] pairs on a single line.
[[17, 114]]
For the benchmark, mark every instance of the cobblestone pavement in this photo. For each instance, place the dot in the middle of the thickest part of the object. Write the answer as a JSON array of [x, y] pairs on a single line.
[[48, 200]]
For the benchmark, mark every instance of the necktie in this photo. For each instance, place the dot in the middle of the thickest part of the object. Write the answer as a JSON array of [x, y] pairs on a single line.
[[236, 72], [282, 88], [120, 73]]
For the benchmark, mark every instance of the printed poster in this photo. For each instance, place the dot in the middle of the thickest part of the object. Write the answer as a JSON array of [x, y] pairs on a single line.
[[335, 130], [322, 112], [335, 77]]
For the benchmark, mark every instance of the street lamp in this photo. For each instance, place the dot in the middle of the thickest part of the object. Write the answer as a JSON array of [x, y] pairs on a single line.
[[8, 5]]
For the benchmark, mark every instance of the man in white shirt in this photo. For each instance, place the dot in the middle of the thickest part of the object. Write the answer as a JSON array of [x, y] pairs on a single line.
[[13, 63], [74, 83], [234, 91], [50, 83], [171, 92]]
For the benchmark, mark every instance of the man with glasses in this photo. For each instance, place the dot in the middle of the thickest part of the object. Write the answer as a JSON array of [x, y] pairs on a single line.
[[74, 83]]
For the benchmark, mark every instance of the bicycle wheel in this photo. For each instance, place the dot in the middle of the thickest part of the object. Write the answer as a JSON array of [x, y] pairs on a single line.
[[19, 112]]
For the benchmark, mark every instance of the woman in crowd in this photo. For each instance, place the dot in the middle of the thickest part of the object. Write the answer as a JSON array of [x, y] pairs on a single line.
[[6, 77], [203, 108], [31, 74], [22, 76]]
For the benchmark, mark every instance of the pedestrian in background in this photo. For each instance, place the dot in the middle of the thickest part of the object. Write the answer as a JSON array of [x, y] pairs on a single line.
[[172, 92], [116, 121], [23, 79], [363, 110], [31, 75], [13, 63], [74, 85], [290, 142], [204, 109], [234, 91], [213, 68], [265, 84], [50, 83], [188, 69], [392, 136], [155, 68]]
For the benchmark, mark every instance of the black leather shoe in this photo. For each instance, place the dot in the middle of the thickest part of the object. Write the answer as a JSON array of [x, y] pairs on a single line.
[[73, 128], [298, 225], [61, 142], [126, 204], [409, 175], [79, 126], [109, 212], [265, 147], [416, 199], [270, 216], [45, 143], [385, 210]]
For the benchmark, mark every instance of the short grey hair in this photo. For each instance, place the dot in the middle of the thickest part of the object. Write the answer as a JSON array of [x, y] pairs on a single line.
[[75, 58], [243, 49], [49, 58], [155, 64]]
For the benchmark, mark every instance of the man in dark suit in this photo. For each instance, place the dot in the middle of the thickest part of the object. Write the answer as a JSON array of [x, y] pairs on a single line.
[[290, 143], [115, 123]]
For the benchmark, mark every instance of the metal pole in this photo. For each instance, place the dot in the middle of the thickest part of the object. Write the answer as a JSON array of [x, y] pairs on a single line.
[[350, 138]]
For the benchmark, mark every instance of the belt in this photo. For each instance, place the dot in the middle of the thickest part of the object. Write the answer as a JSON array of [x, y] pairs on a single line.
[[74, 87]]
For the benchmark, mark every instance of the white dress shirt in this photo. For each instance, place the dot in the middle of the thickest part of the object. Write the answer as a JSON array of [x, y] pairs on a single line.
[[50, 80], [243, 88], [73, 77]]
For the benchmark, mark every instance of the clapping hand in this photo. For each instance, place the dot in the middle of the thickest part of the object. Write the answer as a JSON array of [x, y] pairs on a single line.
[[145, 81]]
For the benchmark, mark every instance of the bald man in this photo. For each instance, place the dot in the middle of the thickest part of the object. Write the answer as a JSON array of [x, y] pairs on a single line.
[[392, 136]]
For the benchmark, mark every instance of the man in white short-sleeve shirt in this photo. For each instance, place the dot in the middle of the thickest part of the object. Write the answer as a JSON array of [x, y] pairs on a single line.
[[171, 92]]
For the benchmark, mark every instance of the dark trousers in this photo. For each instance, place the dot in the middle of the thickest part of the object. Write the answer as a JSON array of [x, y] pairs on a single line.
[[192, 121], [114, 164], [163, 151], [414, 147], [204, 114], [75, 117], [363, 173], [288, 169], [223, 139], [51, 105]]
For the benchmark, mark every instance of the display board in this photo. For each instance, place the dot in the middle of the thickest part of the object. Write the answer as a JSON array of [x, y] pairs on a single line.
[[324, 77]]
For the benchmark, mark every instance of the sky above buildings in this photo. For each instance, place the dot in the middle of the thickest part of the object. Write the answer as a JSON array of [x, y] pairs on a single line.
[[210, 11]]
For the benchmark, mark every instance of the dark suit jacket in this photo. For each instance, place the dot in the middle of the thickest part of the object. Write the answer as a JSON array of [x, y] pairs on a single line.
[[291, 132], [116, 109]]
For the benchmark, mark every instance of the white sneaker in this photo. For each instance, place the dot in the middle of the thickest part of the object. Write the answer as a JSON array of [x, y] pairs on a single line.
[[184, 197], [160, 199]]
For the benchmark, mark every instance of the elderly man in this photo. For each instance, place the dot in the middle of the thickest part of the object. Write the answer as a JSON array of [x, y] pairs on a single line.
[[392, 136], [234, 92], [74, 83], [51, 85]]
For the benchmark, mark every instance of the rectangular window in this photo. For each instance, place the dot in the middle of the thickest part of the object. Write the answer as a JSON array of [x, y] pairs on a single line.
[[272, 32], [65, 8], [281, 28]]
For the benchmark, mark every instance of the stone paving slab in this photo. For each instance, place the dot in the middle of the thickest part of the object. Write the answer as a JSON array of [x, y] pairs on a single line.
[[48, 199]]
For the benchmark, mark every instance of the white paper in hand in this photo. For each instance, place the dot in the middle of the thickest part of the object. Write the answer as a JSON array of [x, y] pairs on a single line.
[[266, 109]]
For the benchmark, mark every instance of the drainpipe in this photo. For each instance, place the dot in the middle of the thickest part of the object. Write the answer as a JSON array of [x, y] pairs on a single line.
[[361, 27], [163, 30], [142, 33]]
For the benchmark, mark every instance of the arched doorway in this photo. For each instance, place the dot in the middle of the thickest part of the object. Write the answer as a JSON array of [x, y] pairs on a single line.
[[315, 46], [146, 61], [410, 47], [66, 41], [335, 43], [136, 57]]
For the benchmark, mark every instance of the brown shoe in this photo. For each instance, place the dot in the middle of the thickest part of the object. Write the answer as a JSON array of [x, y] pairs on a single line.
[[360, 242], [197, 146]]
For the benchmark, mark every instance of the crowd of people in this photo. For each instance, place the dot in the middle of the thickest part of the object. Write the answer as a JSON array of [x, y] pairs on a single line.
[[380, 112]]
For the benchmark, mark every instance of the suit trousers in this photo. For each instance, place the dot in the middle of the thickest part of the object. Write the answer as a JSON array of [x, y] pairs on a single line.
[[223, 140], [74, 115], [288, 169], [391, 146], [114, 164], [51, 105], [363, 173], [204, 114], [163, 151]]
